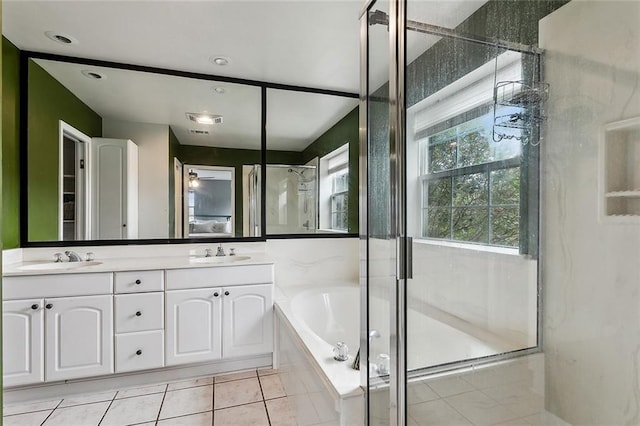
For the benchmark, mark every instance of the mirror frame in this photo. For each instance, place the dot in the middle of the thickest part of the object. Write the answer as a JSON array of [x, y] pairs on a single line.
[[26, 55]]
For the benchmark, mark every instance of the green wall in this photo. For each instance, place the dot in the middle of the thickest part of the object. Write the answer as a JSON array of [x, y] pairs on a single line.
[[10, 145], [48, 102], [344, 131]]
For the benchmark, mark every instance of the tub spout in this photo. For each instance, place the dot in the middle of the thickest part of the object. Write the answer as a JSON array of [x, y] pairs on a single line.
[[356, 362]]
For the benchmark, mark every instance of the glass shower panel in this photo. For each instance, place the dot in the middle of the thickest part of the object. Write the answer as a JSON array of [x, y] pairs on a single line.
[[472, 197], [381, 246]]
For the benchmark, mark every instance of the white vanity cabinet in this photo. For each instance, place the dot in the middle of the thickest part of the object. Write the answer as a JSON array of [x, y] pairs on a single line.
[[194, 324], [248, 320], [78, 337], [139, 320], [22, 340], [217, 313], [48, 336]]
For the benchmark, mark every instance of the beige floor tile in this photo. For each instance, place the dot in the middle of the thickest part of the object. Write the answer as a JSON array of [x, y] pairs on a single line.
[[237, 392], [11, 409], [187, 401], [449, 386], [419, 392], [200, 419], [272, 386], [518, 397], [305, 411], [27, 419], [80, 415], [87, 399], [481, 409], [266, 371], [242, 415], [280, 412], [190, 383], [235, 376], [138, 409], [436, 413], [147, 390]]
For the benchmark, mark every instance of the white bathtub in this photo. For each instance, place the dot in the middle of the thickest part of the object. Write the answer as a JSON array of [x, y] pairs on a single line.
[[310, 322]]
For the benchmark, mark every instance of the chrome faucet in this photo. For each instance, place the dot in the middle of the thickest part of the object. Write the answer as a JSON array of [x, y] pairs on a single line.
[[73, 256], [220, 251]]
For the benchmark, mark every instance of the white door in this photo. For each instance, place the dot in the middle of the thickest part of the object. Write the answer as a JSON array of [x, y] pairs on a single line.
[[112, 180], [248, 320], [22, 340], [79, 337], [193, 325]]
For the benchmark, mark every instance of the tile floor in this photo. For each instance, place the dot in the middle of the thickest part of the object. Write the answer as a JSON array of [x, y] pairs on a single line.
[[247, 398]]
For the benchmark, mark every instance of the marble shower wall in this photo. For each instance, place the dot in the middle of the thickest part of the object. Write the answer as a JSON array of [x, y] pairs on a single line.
[[591, 272]]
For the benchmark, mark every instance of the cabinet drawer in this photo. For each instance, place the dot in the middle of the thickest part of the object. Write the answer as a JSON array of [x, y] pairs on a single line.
[[139, 312], [178, 279], [139, 351], [56, 285], [139, 281]]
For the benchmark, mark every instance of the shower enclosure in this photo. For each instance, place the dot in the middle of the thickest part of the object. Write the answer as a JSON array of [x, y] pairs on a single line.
[[449, 215], [291, 199]]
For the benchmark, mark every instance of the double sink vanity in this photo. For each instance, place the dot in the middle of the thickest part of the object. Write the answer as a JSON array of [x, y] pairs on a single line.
[[74, 320]]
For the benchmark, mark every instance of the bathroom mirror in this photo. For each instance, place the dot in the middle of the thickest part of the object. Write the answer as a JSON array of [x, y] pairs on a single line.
[[312, 163], [117, 154]]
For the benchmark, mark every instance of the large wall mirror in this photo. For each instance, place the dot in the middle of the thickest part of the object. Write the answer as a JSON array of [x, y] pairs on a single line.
[[124, 154], [312, 163]]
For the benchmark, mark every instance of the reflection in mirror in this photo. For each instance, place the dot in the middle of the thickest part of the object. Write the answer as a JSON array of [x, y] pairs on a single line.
[[209, 201], [312, 163], [107, 147]]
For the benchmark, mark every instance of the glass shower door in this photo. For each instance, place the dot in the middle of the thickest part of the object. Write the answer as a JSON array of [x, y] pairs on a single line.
[[452, 215]]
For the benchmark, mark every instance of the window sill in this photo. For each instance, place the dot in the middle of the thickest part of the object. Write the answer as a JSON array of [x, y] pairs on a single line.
[[472, 247], [334, 231]]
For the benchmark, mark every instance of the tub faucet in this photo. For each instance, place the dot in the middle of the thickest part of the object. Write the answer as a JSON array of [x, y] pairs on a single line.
[[73, 256], [373, 334], [220, 251]]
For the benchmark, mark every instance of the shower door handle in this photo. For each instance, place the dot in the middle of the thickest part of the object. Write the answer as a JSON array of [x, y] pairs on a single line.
[[409, 258], [404, 248]]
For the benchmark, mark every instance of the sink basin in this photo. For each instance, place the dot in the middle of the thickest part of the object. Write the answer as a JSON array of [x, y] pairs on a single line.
[[219, 259], [52, 266]]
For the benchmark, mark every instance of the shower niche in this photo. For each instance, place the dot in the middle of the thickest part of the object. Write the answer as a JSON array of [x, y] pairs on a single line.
[[620, 171]]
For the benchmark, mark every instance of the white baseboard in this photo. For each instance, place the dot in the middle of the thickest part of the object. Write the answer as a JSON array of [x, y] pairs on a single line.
[[57, 390]]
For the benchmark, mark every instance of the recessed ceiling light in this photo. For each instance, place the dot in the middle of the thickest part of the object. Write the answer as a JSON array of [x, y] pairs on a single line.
[[204, 118], [61, 38], [219, 90], [93, 75], [220, 60]]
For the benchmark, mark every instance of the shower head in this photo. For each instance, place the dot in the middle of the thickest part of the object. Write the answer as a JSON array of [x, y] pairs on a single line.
[[300, 175]]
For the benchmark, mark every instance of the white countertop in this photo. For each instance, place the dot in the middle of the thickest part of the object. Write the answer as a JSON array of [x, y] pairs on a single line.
[[135, 264]]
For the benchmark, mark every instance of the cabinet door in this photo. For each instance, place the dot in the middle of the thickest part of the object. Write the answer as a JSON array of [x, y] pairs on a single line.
[[22, 340], [193, 325], [79, 333], [248, 320]]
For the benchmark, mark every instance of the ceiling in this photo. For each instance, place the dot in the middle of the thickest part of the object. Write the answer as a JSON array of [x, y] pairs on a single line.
[[304, 42]]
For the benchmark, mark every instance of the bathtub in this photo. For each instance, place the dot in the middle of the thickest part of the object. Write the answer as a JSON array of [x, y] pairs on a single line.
[[309, 324], [311, 321]]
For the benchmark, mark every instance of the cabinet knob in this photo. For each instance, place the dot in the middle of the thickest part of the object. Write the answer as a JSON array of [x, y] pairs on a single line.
[[138, 282], [124, 225], [138, 314], [49, 306], [226, 293], [35, 306], [216, 294], [139, 352]]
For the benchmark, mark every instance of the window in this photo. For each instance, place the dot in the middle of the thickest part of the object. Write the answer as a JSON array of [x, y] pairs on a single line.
[[334, 190], [339, 199], [470, 184]]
